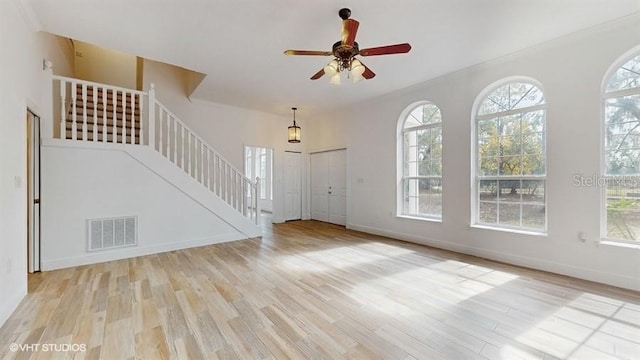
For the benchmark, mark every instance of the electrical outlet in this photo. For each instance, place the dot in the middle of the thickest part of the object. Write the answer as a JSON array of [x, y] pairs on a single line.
[[17, 181]]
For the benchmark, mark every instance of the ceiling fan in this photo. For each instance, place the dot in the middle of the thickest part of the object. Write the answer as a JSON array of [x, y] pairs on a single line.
[[345, 51]]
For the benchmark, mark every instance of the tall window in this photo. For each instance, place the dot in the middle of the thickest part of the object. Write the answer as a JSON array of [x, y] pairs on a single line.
[[621, 100], [258, 162], [422, 162], [510, 158]]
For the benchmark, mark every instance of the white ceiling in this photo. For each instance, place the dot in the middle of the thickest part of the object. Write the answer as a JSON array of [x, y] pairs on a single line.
[[239, 44]]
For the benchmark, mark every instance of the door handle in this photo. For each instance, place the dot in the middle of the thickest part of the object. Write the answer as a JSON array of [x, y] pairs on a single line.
[[36, 201]]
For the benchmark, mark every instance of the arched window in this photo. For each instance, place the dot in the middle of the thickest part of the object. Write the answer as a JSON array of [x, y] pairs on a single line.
[[421, 174], [510, 158], [621, 99]]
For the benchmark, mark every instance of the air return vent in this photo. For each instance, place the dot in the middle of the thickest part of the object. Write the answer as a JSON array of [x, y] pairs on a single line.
[[109, 233]]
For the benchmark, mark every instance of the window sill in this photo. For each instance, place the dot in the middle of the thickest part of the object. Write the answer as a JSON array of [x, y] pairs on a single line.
[[420, 218], [514, 231], [621, 244]]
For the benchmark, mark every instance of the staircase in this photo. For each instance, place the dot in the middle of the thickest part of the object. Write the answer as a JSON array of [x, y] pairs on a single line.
[[94, 113], [115, 116]]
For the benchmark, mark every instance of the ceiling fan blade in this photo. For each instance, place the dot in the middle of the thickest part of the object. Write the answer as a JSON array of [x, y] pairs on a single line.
[[308, 52], [367, 74], [318, 75], [349, 31], [386, 50]]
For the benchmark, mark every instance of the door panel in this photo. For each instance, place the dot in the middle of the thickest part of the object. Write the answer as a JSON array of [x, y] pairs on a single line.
[[337, 165], [329, 187], [320, 187], [292, 186]]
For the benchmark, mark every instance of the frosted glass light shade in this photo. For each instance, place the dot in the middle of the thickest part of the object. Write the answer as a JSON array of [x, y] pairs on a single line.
[[357, 69], [294, 133], [331, 68], [335, 79]]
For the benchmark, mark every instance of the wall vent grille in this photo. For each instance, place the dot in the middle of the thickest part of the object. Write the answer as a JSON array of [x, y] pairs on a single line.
[[109, 233]]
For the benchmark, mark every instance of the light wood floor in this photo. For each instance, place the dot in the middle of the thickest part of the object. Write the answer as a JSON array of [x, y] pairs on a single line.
[[309, 290]]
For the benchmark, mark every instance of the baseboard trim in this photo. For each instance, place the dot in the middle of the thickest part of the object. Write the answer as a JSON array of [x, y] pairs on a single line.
[[528, 262], [131, 252]]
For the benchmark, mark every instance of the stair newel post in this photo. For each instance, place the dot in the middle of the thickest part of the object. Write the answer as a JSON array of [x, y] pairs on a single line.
[[151, 121], [257, 200], [63, 109]]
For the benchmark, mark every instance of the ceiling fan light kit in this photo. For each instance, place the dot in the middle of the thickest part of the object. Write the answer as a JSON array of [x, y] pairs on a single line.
[[345, 51]]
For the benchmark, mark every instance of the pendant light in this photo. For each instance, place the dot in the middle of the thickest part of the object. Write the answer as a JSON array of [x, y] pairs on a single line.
[[294, 130]]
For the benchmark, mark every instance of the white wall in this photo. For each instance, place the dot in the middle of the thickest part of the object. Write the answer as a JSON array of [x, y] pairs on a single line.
[[22, 50], [229, 128], [94, 63], [571, 70], [104, 182]]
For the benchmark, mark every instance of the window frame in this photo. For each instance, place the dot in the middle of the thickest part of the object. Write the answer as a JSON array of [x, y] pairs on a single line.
[[401, 178], [604, 96], [476, 178]]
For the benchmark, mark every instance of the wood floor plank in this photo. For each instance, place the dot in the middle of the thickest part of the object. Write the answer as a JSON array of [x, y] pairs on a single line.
[[312, 290]]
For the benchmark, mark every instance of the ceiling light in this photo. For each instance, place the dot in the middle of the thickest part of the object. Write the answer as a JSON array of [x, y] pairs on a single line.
[[294, 130], [331, 68], [335, 79], [357, 69]]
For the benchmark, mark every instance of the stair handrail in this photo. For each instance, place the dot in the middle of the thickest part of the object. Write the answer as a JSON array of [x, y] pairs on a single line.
[[202, 141], [97, 84]]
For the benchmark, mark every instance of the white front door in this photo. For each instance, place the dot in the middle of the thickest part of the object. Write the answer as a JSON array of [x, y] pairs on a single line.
[[337, 187], [329, 186], [320, 186], [292, 186]]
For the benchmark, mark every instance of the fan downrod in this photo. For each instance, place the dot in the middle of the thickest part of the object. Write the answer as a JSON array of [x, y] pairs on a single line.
[[344, 13]]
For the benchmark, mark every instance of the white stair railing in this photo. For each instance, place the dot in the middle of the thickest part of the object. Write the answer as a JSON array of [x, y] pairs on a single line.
[[96, 112]]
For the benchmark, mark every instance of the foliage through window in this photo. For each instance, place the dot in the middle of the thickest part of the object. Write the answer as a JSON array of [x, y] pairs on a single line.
[[422, 162], [511, 158], [621, 100]]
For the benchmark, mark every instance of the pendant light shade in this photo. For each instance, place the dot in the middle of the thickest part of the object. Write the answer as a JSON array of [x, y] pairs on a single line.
[[294, 130]]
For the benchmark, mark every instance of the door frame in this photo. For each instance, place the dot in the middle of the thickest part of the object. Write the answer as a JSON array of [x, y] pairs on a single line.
[[33, 126]]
